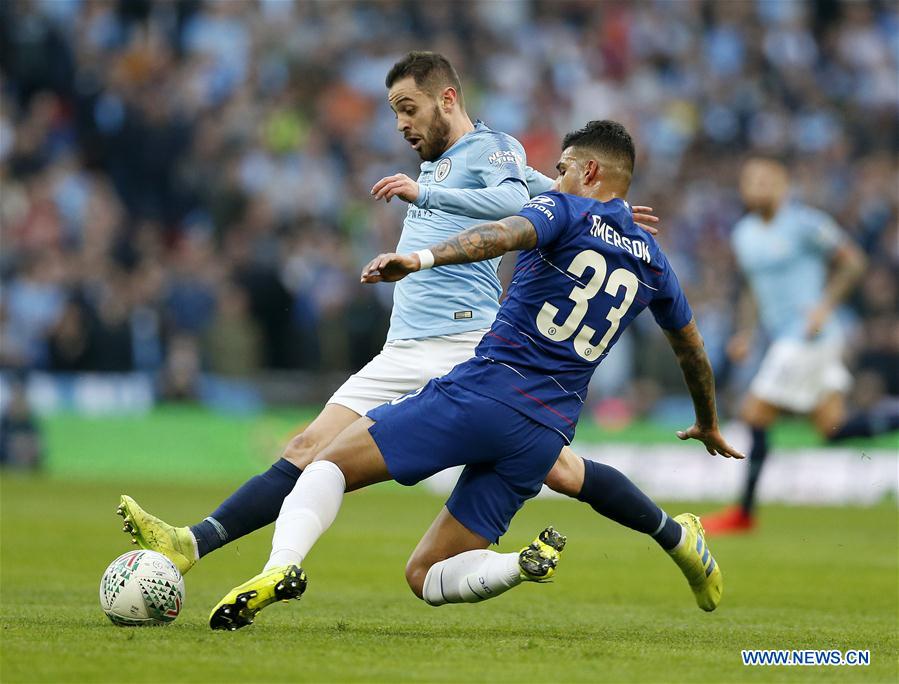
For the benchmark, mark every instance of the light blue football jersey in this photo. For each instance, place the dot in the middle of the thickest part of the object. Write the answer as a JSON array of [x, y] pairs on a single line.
[[785, 263], [461, 297], [537, 182]]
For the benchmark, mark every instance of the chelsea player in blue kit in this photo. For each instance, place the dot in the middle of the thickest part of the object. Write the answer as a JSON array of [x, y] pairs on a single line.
[[584, 273]]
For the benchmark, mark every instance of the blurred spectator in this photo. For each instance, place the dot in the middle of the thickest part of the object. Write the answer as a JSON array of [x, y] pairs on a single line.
[[69, 340], [21, 444], [184, 184], [233, 342], [180, 380], [34, 301]]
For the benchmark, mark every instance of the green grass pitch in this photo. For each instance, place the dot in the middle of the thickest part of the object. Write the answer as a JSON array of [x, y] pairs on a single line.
[[618, 611]]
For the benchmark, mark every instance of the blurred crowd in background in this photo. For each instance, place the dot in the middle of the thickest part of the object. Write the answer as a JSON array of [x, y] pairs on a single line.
[[185, 184]]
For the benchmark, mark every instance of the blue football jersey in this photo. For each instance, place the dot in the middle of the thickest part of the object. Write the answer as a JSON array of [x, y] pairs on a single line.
[[592, 271]]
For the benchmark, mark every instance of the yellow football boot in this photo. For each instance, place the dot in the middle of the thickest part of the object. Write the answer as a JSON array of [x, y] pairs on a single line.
[[538, 560], [149, 532], [695, 560], [241, 604]]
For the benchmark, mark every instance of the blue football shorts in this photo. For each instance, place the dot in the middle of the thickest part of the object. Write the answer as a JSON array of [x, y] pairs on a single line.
[[506, 454]]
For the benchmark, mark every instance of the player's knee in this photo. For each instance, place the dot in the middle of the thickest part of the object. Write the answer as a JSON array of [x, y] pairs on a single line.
[[416, 573], [567, 474], [562, 479], [301, 449], [827, 426], [829, 417], [756, 415], [747, 415]]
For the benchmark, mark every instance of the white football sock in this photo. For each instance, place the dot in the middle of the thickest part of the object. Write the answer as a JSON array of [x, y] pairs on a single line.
[[306, 513], [470, 577]]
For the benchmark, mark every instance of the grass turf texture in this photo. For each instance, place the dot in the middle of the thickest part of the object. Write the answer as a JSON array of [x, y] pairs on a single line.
[[618, 611]]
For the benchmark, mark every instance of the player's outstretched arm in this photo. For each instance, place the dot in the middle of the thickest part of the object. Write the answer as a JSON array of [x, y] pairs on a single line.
[[848, 267], [478, 203], [690, 351], [478, 243]]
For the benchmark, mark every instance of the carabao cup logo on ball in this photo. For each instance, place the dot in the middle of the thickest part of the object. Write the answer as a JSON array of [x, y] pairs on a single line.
[[141, 588]]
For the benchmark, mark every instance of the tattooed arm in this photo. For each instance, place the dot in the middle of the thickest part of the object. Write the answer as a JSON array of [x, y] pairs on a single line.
[[478, 243], [690, 351]]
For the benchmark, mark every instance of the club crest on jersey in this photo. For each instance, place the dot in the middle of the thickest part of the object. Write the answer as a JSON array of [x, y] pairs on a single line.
[[442, 170]]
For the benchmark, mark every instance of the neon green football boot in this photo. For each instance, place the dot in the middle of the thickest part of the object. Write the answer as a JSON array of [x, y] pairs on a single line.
[[149, 532], [538, 560], [240, 605], [694, 558]]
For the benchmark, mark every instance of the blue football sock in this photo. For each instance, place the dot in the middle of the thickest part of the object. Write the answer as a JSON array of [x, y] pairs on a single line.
[[877, 421], [254, 505], [758, 452], [614, 496]]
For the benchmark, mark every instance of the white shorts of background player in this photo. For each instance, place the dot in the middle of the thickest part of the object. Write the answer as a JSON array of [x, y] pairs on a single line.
[[797, 375]]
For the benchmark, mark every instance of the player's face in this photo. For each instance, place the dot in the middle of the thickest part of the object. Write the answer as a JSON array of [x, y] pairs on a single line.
[[420, 119], [763, 185], [570, 179]]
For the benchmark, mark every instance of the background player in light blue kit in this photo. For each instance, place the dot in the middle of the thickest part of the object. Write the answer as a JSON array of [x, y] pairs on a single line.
[[586, 271], [799, 267]]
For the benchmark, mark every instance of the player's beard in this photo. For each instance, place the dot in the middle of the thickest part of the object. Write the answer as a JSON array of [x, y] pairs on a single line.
[[765, 206], [436, 138]]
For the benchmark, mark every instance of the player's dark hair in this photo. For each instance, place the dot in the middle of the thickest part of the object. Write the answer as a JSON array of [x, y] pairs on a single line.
[[430, 70], [609, 139]]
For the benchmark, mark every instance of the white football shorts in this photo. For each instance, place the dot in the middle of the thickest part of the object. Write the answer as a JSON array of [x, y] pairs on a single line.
[[404, 366], [796, 375]]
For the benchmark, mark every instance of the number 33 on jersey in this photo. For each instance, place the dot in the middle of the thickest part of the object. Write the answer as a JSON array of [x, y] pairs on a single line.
[[592, 271]]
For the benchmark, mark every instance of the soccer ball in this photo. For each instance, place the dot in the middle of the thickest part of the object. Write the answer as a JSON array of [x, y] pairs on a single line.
[[141, 588]]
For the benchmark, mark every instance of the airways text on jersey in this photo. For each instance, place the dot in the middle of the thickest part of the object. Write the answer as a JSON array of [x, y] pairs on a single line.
[[414, 212]]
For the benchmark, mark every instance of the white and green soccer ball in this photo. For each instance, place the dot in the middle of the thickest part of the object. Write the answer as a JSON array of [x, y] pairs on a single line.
[[141, 588]]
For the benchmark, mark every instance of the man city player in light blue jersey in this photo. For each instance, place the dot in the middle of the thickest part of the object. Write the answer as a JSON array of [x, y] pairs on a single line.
[[799, 267], [585, 271]]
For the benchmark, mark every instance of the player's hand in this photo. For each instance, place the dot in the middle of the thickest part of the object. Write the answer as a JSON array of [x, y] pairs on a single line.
[[739, 346], [397, 185], [644, 217], [389, 268], [816, 320], [714, 442]]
